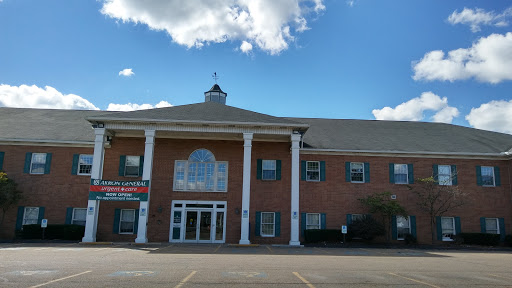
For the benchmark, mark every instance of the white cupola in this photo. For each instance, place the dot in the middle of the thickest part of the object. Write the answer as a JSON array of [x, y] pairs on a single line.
[[215, 94]]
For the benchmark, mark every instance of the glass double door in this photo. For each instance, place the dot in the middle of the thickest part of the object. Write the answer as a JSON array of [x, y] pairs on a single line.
[[198, 226]]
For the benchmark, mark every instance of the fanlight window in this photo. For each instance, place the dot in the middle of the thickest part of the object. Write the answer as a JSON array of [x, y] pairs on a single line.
[[201, 173]]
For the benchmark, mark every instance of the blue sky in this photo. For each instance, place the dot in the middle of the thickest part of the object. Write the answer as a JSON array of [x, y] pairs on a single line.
[[317, 58]]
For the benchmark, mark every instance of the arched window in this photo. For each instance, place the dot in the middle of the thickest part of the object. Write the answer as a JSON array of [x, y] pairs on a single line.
[[201, 173]]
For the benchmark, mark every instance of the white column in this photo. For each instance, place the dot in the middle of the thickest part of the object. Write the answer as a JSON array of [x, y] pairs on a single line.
[[146, 175], [294, 231], [246, 189], [93, 206]]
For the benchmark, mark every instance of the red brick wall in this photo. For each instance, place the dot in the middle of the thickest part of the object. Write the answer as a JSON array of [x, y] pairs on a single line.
[[335, 197], [54, 191]]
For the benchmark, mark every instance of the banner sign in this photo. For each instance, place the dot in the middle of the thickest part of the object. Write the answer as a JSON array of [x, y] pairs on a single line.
[[111, 190]]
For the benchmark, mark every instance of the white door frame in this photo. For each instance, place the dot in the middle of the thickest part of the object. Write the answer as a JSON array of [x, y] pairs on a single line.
[[181, 206]]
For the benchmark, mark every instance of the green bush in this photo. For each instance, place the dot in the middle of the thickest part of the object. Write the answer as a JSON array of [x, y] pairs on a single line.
[[323, 235], [367, 229], [53, 231], [410, 239], [484, 239], [508, 240]]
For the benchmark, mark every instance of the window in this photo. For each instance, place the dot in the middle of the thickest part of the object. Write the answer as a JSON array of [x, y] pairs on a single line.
[[448, 228], [268, 170], [201, 173], [267, 224], [85, 164], [444, 175], [357, 217], [79, 216], [401, 176], [132, 166], [313, 221], [127, 221], [31, 215], [487, 176], [357, 172], [492, 226], [403, 225], [312, 171], [38, 163]]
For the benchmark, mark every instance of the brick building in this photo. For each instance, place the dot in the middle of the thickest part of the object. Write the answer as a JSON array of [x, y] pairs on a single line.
[[212, 173]]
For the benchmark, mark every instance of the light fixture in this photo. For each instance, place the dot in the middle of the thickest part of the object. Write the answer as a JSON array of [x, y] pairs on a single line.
[[237, 211]]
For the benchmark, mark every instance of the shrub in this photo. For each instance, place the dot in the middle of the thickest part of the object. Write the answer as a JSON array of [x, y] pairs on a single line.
[[508, 240], [367, 229], [323, 235], [480, 239], [409, 239], [53, 231]]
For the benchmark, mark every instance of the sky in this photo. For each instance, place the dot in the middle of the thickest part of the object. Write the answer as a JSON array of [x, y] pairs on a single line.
[[433, 61]]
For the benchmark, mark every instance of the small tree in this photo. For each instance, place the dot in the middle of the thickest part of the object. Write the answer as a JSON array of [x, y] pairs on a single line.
[[9, 194], [436, 199], [381, 204]]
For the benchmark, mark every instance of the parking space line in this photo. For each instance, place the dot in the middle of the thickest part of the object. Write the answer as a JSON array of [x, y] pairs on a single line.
[[418, 281], [60, 279], [303, 280], [186, 279], [217, 249], [508, 278], [269, 249]]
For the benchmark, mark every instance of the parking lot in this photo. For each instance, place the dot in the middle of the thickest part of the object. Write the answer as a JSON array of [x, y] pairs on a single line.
[[181, 265]]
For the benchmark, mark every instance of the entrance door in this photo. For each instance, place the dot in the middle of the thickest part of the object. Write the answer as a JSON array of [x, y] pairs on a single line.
[[198, 226]]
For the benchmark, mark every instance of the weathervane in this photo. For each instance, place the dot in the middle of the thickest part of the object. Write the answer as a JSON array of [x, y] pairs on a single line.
[[215, 77]]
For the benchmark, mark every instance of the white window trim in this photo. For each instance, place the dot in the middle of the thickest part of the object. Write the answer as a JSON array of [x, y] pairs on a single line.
[[185, 178], [454, 229], [406, 173], [319, 220], [25, 214], [408, 221], [126, 165], [273, 223], [497, 225], [32, 162], [352, 181], [493, 176], [450, 176], [73, 219], [262, 169], [307, 170], [79, 164], [121, 220]]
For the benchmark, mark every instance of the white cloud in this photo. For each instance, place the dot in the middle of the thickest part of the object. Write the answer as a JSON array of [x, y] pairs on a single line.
[[25, 96], [413, 109], [126, 72], [133, 106], [265, 23], [488, 60], [478, 17], [351, 3], [494, 116], [246, 47]]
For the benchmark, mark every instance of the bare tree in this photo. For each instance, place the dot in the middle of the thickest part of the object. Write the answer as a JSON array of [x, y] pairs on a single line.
[[437, 198]]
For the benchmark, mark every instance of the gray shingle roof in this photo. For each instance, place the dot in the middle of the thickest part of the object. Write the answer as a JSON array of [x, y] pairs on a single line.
[[46, 124], [201, 112], [357, 135], [403, 136]]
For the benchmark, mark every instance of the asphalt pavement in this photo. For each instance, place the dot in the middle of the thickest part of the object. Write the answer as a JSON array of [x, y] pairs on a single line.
[[191, 265]]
